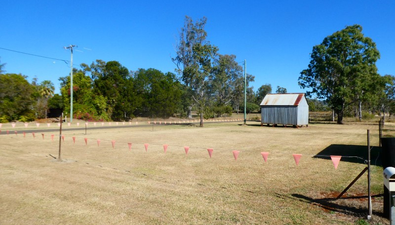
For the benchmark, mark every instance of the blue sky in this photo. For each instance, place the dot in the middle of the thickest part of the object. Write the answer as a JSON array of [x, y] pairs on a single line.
[[275, 37]]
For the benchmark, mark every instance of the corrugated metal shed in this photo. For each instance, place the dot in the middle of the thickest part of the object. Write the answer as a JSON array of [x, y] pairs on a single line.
[[286, 109]]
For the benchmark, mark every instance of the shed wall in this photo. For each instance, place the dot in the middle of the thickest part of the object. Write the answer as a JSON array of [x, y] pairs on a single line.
[[303, 113], [287, 115]]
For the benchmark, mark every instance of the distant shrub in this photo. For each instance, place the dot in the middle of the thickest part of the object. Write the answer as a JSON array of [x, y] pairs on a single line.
[[27, 117], [24, 119], [367, 116], [4, 119], [255, 118], [208, 113], [251, 107], [221, 110], [85, 116]]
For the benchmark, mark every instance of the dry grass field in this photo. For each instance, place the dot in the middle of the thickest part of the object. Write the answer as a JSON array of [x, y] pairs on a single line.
[[105, 185]]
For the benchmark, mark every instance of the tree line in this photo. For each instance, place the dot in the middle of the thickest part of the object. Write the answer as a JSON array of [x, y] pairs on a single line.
[[109, 91], [341, 76]]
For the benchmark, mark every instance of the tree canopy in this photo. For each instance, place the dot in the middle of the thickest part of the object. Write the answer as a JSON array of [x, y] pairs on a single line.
[[281, 90], [16, 97], [262, 92], [212, 80], [160, 94], [343, 70]]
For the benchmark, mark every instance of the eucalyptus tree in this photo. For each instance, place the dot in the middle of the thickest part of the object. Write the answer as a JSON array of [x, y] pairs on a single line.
[[343, 70], [195, 61], [226, 78]]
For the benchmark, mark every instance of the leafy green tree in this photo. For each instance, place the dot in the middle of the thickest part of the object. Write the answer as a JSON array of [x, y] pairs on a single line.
[[194, 60], [227, 81], [281, 90], [115, 83], [262, 92], [16, 96], [191, 34], [160, 93], [343, 69], [56, 102], [82, 95], [96, 69], [226, 77]]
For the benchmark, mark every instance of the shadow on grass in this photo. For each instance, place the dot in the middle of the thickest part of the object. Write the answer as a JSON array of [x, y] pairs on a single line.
[[352, 153], [329, 204]]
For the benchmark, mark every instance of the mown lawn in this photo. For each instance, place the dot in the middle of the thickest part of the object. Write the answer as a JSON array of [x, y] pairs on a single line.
[[105, 185]]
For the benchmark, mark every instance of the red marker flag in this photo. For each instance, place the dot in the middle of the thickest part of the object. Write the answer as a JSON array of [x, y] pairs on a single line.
[[210, 151], [297, 158], [236, 154], [336, 160], [265, 155], [165, 147]]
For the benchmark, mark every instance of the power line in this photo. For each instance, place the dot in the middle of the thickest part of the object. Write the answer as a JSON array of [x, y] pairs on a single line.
[[45, 57]]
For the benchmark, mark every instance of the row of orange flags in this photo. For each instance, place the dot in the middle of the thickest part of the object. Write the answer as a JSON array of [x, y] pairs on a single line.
[[335, 158]]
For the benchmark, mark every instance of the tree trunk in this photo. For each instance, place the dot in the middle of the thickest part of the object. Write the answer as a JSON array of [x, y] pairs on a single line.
[[189, 113], [340, 117], [201, 119], [333, 115], [360, 111]]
